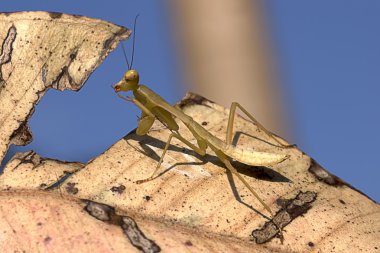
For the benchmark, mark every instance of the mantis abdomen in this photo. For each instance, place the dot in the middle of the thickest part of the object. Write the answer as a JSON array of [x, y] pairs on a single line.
[[251, 157]]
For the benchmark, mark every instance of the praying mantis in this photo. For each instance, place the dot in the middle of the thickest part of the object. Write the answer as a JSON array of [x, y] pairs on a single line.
[[154, 107]]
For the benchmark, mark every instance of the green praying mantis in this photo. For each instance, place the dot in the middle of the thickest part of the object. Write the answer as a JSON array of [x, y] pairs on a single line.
[[154, 107]]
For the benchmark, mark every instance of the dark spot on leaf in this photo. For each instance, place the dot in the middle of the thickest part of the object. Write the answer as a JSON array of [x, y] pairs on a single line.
[[73, 55], [137, 237], [107, 214], [107, 43], [70, 188], [47, 239], [119, 189], [55, 15], [22, 135], [100, 211], [324, 176], [293, 208], [188, 243]]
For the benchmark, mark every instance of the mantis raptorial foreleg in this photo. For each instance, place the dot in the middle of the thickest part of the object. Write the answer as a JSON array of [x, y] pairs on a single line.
[[231, 120], [145, 123], [142, 107], [201, 150]]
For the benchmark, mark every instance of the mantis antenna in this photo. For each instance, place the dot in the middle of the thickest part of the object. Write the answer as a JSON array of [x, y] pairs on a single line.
[[133, 45], [125, 55]]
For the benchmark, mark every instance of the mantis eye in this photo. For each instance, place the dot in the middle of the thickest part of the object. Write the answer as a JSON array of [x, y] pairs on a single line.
[[132, 76]]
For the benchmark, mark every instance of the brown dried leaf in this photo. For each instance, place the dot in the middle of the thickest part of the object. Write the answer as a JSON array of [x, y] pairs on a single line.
[[32, 172], [195, 205], [45, 222], [42, 50]]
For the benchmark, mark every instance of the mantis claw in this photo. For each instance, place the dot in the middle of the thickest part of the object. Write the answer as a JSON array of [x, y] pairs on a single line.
[[127, 98]]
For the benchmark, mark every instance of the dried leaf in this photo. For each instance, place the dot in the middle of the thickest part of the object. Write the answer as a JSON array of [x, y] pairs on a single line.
[[42, 50], [45, 222], [195, 205], [34, 172]]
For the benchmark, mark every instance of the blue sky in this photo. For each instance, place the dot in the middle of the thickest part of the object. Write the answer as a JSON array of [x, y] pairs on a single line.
[[328, 54]]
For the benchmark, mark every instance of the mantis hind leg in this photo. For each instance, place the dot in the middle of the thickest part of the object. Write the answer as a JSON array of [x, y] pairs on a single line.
[[231, 120], [229, 166], [201, 150]]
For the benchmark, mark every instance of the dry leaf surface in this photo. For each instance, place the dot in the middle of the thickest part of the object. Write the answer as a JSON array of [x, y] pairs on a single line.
[[195, 205], [41, 50], [35, 172], [44, 222]]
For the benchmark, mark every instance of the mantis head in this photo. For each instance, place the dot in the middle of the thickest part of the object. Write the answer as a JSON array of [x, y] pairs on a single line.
[[130, 81]]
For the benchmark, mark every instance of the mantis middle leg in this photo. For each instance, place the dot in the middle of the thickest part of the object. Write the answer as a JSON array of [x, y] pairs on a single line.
[[231, 125], [201, 150]]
